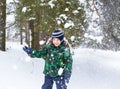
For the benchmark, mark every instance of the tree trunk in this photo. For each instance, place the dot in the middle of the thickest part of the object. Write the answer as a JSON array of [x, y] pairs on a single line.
[[21, 37], [27, 33], [33, 34], [2, 24], [37, 30]]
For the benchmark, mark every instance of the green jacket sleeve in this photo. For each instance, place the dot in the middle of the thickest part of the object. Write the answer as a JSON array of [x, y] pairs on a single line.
[[68, 60], [40, 53]]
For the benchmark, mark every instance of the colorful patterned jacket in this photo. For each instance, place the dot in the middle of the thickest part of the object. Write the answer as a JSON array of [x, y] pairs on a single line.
[[55, 58]]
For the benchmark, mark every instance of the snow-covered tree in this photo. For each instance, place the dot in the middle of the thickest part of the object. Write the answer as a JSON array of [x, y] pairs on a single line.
[[50, 15], [110, 24], [103, 17]]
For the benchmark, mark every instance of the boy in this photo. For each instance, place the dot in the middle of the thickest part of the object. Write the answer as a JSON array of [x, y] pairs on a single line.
[[58, 61]]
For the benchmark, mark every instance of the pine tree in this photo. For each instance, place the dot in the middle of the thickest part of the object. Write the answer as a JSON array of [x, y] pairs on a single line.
[[50, 15]]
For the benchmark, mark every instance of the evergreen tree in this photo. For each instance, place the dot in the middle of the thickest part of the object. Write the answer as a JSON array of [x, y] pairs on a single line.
[[50, 15]]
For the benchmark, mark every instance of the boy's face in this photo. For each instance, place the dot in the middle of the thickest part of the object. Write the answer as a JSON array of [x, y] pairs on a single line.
[[56, 42]]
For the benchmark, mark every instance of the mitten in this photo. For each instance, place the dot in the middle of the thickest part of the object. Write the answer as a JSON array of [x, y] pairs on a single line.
[[67, 77], [27, 50]]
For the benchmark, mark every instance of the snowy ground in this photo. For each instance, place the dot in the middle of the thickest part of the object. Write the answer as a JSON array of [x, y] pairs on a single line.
[[92, 69]]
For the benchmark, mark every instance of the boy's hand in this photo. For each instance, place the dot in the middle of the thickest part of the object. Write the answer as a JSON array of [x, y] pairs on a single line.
[[27, 50]]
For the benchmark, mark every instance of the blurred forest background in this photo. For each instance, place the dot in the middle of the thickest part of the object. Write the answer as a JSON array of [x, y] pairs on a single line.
[[86, 23]]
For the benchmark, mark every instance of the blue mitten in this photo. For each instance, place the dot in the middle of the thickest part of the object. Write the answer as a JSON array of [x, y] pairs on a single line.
[[27, 50], [67, 77]]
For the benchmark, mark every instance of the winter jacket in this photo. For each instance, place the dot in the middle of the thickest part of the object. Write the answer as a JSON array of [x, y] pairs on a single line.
[[55, 58]]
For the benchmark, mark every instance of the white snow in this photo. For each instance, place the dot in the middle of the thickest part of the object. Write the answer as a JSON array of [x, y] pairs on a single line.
[[24, 9], [66, 9], [51, 3], [69, 24], [72, 38], [75, 12], [60, 71], [92, 69], [8, 1], [97, 38], [41, 42]]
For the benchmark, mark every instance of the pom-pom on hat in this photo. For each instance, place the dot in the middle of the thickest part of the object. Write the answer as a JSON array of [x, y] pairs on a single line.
[[58, 34]]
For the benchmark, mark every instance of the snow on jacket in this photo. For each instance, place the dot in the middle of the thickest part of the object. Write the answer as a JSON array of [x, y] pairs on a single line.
[[55, 58]]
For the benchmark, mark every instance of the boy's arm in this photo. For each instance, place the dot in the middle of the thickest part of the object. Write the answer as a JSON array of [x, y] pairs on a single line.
[[39, 53], [68, 60], [36, 53]]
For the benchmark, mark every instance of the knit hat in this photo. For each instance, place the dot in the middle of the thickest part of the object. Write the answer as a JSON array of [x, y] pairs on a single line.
[[58, 34]]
